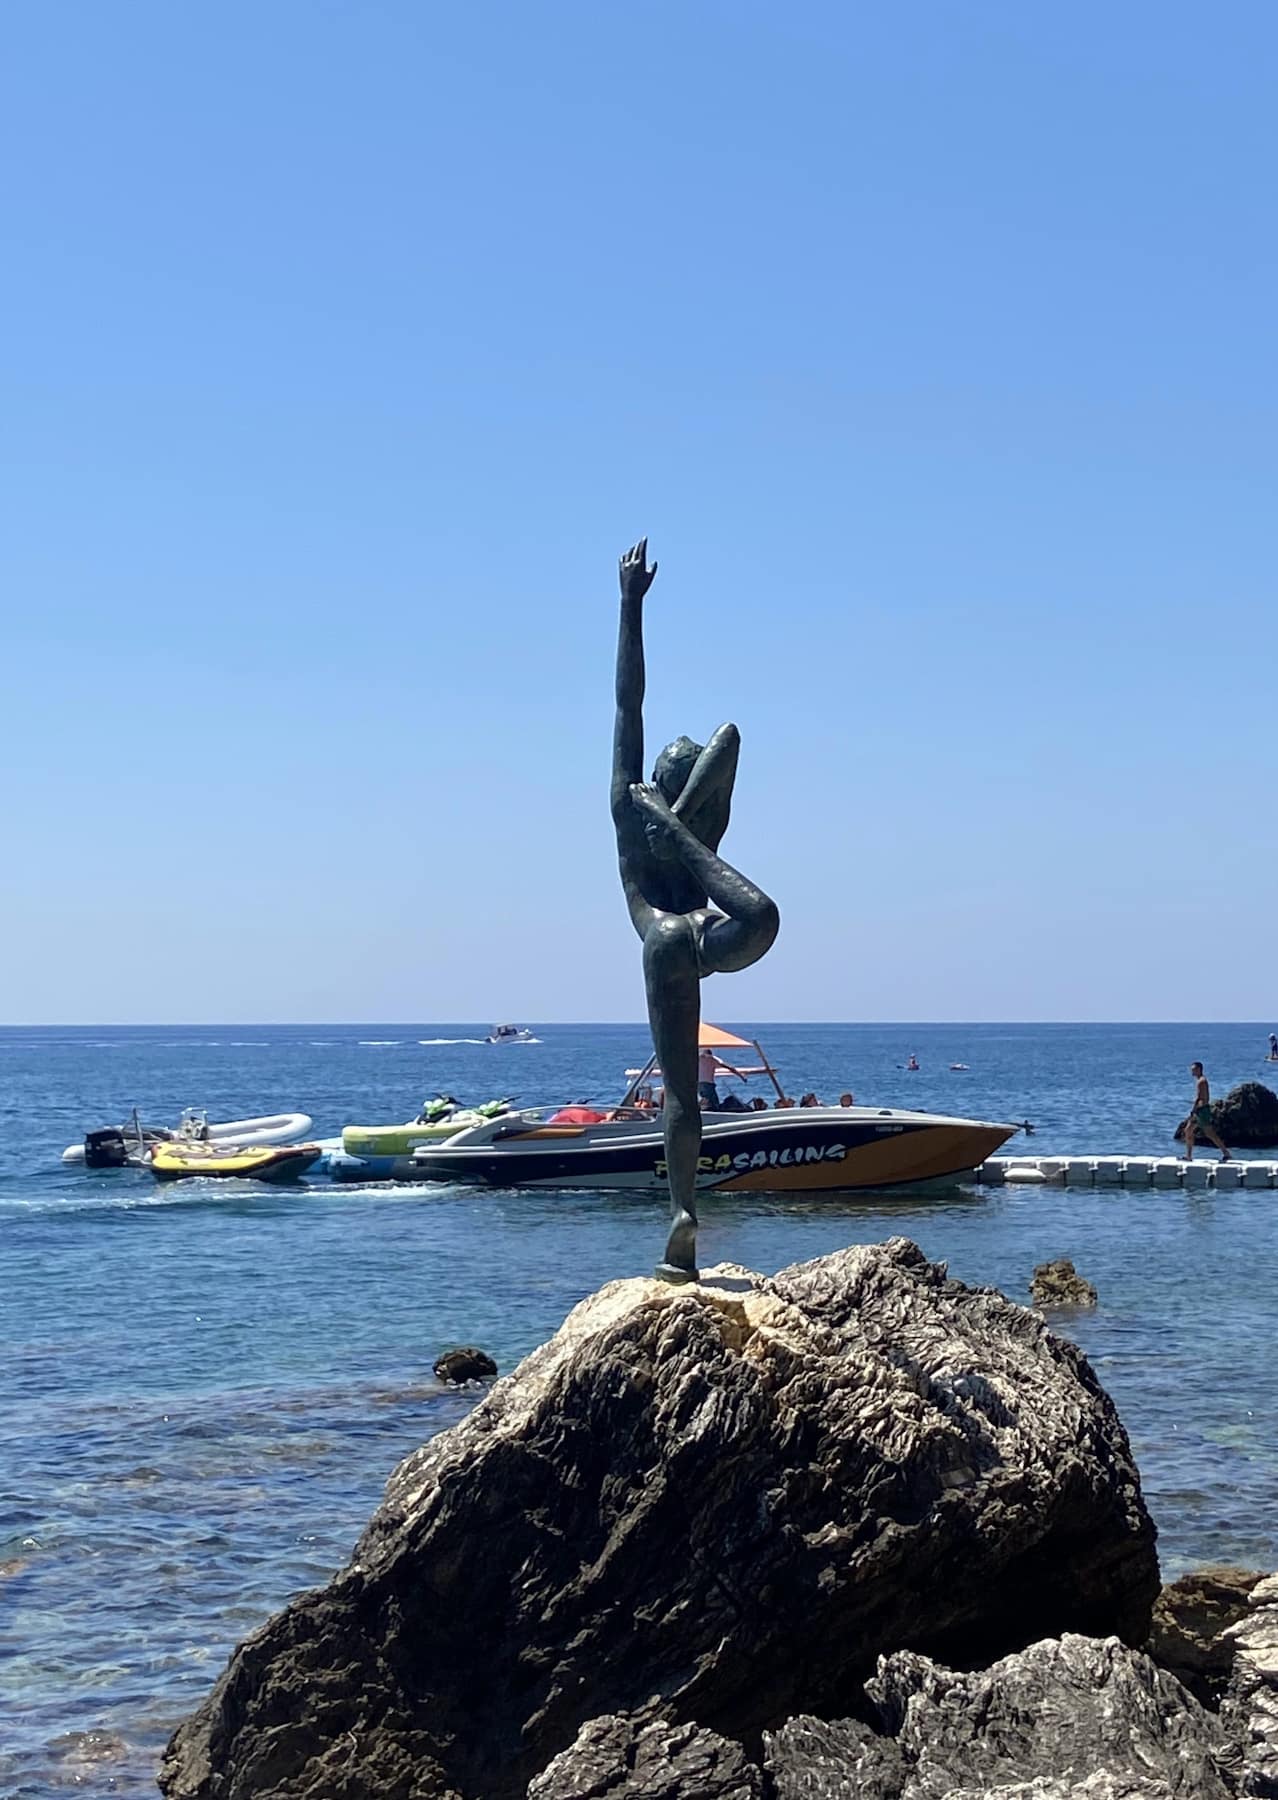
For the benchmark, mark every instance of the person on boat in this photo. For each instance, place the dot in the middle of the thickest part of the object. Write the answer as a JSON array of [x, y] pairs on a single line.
[[708, 1064], [1273, 1046], [784, 1101], [695, 914], [847, 1099], [758, 1104], [1200, 1118], [809, 1100]]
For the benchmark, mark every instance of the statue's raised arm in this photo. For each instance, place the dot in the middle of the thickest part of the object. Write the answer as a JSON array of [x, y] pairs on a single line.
[[627, 743]]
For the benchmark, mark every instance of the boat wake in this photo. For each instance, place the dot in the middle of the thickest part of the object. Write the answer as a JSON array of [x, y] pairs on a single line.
[[452, 1040]]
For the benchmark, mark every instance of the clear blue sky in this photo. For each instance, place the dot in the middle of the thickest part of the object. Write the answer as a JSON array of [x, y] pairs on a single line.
[[346, 346]]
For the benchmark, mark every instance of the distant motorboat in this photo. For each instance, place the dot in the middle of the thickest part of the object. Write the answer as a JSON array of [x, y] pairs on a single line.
[[129, 1145], [510, 1034]]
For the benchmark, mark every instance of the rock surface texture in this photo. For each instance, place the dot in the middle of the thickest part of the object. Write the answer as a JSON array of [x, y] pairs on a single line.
[[1247, 1118], [1060, 1284], [1067, 1718], [723, 1501], [1250, 1707]]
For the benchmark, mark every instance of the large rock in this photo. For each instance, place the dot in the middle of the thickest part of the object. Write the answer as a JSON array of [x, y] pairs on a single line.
[[731, 1497], [1247, 1118]]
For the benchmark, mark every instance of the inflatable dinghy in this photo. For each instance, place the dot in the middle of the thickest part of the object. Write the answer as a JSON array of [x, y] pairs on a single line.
[[116, 1146]]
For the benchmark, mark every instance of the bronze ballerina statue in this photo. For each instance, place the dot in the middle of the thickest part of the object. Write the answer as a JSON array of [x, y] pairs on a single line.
[[695, 914]]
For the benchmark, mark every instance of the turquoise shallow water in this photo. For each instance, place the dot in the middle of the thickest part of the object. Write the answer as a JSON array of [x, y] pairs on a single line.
[[202, 1391]]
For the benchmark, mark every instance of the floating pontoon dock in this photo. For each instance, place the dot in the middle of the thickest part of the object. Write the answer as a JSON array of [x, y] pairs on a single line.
[[1128, 1172]]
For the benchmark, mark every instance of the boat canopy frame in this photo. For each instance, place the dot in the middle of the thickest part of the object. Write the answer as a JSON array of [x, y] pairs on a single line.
[[710, 1037]]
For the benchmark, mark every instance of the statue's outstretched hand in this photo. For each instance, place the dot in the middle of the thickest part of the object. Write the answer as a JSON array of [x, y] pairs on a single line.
[[636, 576]]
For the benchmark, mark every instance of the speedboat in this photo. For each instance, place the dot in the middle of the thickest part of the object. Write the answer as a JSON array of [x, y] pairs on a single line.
[[384, 1152], [130, 1144], [778, 1150], [510, 1034], [775, 1149], [255, 1162]]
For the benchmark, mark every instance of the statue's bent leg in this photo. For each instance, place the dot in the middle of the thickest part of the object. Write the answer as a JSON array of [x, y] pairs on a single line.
[[672, 976]]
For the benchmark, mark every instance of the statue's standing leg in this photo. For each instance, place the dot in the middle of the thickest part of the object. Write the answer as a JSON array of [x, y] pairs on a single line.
[[672, 977]]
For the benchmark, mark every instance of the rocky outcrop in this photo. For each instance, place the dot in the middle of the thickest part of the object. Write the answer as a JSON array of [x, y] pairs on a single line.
[[1072, 1718], [620, 1758], [1059, 1284], [733, 1497], [467, 1364], [1250, 1707], [1247, 1117], [1191, 1617]]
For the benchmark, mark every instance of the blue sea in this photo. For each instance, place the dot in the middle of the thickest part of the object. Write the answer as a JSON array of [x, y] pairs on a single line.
[[204, 1388]]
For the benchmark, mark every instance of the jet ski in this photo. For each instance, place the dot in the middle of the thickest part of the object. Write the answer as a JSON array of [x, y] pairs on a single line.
[[259, 1162], [384, 1152]]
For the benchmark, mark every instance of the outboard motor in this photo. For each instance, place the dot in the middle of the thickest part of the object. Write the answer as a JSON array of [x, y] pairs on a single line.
[[105, 1149]]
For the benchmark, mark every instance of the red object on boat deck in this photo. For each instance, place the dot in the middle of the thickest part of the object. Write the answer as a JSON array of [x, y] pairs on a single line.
[[576, 1115]]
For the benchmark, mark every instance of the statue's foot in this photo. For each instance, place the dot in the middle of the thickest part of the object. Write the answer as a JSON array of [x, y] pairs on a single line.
[[680, 1260]]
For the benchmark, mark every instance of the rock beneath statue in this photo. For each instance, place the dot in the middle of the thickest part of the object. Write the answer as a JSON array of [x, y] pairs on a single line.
[[629, 1758], [1059, 1284], [1190, 1616], [1247, 1118], [468, 1364], [735, 1498]]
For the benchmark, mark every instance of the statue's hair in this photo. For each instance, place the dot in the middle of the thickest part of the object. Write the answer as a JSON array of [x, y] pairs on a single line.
[[673, 766]]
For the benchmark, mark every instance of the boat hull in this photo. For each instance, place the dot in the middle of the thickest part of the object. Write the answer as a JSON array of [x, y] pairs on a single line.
[[808, 1150]]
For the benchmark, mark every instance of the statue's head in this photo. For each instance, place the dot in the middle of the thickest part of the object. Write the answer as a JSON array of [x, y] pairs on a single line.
[[673, 766]]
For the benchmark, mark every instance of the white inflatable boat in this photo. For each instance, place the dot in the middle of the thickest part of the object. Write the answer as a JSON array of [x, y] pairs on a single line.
[[118, 1145]]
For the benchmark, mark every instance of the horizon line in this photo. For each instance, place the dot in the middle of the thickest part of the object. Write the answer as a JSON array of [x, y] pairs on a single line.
[[642, 1024]]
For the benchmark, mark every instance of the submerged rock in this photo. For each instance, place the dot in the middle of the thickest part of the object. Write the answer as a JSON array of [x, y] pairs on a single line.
[[732, 1497], [1247, 1118], [467, 1364], [1059, 1284]]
